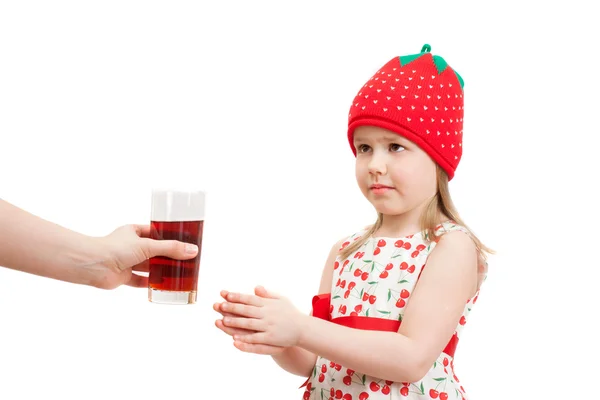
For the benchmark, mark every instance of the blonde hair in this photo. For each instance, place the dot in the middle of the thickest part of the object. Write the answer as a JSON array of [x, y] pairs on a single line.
[[442, 204]]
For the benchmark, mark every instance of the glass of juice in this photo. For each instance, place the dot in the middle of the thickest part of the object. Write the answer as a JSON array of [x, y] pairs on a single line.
[[175, 215]]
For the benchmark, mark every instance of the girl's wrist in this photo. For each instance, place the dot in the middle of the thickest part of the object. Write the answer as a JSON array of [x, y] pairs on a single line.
[[304, 327]]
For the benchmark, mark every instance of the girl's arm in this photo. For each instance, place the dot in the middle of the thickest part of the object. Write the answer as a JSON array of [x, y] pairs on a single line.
[[446, 284], [295, 359], [431, 317]]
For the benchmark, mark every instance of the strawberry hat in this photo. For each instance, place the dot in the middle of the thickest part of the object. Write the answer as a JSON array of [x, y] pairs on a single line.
[[419, 97]]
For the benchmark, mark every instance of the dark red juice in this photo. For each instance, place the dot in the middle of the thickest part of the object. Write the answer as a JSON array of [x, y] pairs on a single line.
[[175, 275]]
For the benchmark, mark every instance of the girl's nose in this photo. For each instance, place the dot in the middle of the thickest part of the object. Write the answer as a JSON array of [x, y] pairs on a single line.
[[377, 165]]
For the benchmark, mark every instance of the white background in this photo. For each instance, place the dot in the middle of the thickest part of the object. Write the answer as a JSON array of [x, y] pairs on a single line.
[[101, 101]]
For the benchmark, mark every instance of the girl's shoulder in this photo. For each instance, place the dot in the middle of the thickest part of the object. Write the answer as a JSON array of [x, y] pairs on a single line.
[[450, 226], [351, 238]]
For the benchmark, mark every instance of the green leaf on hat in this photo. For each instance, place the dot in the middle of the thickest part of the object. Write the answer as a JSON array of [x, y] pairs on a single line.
[[406, 59], [440, 63], [460, 79]]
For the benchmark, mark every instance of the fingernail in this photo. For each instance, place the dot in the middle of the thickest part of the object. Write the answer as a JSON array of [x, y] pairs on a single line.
[[191, 248]]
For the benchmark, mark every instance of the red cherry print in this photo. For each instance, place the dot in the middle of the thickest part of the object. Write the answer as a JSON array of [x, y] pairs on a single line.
[[358, 308], [361, 254], [346, 294], [411, 269], [347, 380], [354, 314], [330, 308], [324, 368], [336, 265], [400, 303], [381, 243], [306, 395], [463, 320], [309, 386], [331, 364], [351, 285], [443, 396], [350, 372], [475, 299], [385, 389], [338, 367], [345, 244], [372, 299], [376, 251], [338, 394], [388, 382], [404, 265], [433, 393], [338, 283], [374, 386], [415, 254], [389, 266], [404, 390], [421, 247], [365, 296], [347, 396], [332, 392], [383, 275], [357, 272], [363, 396], [406, 246], [342, 309], [399, 243], [346, 262], [343, 284], [321, 377], [404, 294], [364, 276], [445, 362]]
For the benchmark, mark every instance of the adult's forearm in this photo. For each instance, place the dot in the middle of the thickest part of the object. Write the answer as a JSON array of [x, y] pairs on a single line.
[[36, 246]]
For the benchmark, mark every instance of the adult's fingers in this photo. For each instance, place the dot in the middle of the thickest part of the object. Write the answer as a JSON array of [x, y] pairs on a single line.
[[144, 266], [169, 248], [138, 281]]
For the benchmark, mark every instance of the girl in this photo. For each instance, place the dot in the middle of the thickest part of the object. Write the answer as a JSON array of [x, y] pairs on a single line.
[[395, 296]]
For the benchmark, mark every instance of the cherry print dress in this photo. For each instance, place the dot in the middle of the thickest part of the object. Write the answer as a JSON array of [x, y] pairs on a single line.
[[376, 281]]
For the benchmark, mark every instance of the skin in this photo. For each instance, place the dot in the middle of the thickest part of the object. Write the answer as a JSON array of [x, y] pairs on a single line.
[[36, 246], [267, 323]]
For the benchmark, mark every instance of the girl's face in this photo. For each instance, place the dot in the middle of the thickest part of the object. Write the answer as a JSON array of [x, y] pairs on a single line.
[[393, 173]]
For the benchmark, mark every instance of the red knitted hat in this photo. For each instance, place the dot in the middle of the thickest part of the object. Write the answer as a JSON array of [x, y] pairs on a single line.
[[419, 97]]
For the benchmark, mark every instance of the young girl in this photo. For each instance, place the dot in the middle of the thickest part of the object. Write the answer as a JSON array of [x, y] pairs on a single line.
[[394, 297]]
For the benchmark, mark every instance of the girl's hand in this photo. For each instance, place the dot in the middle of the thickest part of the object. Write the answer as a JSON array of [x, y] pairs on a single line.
[[272, 318]]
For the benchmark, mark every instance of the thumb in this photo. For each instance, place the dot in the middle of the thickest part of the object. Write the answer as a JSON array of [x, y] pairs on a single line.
[[170, 248], [262, 292]]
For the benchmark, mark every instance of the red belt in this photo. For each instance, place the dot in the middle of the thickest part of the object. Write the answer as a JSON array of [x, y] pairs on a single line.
[[321, 304]]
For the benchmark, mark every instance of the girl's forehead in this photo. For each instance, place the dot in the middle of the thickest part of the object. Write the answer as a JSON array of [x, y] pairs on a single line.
[[375, 133]]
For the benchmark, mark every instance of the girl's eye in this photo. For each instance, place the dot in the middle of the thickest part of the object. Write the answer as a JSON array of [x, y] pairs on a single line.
[[396, 147], [363, 148]]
